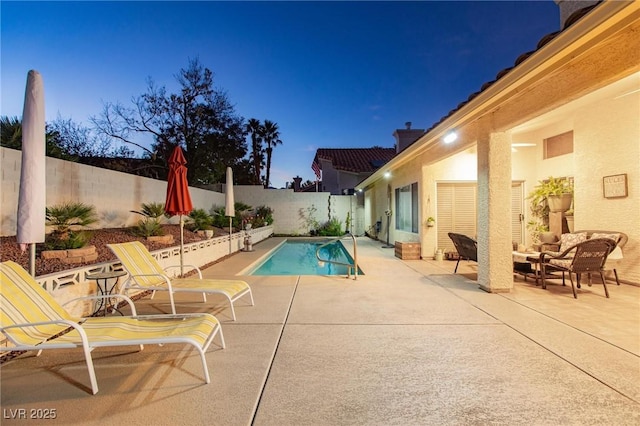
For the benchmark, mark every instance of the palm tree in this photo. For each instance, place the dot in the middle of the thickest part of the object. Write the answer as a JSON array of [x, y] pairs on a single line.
[[257, 153], [11, 137], [271, 136], [11, 129]]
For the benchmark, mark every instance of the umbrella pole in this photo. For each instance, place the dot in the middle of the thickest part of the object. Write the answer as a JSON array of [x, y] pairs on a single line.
[[32, 259], [181, 244], [230, 229]]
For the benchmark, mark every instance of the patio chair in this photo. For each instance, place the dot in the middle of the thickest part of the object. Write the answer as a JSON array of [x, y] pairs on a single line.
[[145, 273], [588, 257], [32, 319], [467, 248]]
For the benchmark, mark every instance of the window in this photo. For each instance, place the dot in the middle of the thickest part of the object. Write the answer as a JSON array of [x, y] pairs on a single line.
[[407, 208], [558, 145]]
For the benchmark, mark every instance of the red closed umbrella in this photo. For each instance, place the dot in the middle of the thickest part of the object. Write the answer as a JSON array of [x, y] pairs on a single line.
[[178, 201]]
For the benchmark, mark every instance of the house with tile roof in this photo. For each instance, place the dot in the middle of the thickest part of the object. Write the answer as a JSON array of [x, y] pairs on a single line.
[[343, 168], [570, 108], [339, 170]]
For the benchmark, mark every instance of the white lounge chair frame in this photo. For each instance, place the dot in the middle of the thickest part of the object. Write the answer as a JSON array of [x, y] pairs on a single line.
[[22, 297], [145, 273]]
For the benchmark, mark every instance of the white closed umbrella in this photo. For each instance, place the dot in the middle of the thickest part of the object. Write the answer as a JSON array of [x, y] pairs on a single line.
[[32, 195], [229, 205]]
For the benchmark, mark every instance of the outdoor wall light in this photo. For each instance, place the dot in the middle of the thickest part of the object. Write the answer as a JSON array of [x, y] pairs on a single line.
[[387, 175], [450, 137]]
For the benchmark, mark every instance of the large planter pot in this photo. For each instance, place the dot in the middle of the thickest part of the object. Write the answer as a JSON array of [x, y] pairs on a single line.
[[569, 223], [559, 203], [207, 233]]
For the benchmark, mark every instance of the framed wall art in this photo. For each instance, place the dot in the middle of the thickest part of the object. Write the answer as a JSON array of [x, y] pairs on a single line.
[[614, 186]]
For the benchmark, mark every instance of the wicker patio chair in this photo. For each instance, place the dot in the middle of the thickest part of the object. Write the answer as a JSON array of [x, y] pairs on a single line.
[[467, 248], [586, 257]]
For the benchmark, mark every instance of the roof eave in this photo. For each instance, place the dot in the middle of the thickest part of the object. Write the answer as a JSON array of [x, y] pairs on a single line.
[[593, 26]]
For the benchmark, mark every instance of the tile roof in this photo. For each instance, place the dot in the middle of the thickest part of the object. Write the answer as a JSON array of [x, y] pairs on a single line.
[[358, 160], [543, 41]]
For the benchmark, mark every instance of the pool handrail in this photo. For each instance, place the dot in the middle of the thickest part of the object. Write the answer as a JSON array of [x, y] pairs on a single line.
[[349, 266]]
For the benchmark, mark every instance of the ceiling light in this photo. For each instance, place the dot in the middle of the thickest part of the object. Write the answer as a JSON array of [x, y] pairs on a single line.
[[450, 137], [522, 144]]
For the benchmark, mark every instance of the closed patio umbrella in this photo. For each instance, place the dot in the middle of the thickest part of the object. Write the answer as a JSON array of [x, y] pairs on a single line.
[[178, 201], [229, 205], [32, 194]]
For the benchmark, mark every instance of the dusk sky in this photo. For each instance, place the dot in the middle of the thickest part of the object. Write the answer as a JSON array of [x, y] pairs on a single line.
[[331, 74]]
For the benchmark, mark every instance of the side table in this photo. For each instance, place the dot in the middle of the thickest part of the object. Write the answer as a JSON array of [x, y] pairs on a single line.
[[106, 289]]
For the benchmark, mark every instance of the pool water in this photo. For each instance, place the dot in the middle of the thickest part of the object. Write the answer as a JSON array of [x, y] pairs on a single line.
[[299, 258]]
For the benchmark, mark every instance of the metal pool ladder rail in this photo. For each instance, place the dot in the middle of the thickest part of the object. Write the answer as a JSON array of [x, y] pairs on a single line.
[[349, 266]]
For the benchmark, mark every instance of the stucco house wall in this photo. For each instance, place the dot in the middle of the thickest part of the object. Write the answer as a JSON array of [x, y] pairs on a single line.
[[607, 140], [585, 79]]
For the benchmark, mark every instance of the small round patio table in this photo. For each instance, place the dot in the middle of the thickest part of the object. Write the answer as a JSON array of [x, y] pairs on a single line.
[[105, 288]]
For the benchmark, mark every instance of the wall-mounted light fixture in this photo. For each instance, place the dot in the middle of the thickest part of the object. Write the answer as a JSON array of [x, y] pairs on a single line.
[[387, 175], [521, 145], [450, 137]]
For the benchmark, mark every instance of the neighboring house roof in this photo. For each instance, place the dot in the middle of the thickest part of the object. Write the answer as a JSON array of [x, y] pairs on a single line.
[[357, 160]]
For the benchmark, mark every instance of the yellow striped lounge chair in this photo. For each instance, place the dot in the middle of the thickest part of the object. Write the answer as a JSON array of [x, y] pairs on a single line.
[[31, 319], [145, 273]]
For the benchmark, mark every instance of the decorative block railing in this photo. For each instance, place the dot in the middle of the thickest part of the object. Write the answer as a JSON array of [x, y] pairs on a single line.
[[72, 283]]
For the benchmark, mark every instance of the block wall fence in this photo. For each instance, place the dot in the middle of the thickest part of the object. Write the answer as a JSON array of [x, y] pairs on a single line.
[[115, 194]]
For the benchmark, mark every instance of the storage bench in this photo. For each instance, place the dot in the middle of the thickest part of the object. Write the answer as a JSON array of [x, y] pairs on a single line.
[[407, 251]]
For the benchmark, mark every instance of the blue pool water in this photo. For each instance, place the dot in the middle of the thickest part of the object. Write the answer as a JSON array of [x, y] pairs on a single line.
[[299, 258]]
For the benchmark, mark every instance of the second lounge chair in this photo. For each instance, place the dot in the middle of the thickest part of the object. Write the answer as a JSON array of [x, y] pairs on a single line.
[[145, 273]]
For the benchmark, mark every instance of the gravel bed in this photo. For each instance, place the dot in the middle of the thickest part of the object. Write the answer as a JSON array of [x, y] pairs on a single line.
[[9, 249]]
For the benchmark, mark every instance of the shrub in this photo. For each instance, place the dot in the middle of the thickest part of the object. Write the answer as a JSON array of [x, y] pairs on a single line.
[[151, 224], [68, 221], [264, 215], [199, 220], [333, 228]]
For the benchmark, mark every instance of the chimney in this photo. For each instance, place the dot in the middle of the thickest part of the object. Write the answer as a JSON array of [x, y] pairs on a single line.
[[407, 136], [568, 7], [296, 183]]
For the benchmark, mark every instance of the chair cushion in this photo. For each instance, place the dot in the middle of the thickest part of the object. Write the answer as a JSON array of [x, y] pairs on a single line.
[[562, 263], [613, 236], [569, 240]]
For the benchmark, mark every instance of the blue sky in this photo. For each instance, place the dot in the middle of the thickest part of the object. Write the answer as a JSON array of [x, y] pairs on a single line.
[[331, 74]]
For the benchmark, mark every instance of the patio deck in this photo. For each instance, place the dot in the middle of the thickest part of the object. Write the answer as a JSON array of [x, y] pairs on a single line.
[[408, 343]]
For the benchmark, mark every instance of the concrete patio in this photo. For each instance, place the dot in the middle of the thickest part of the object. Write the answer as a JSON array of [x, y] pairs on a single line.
[[408, 343]]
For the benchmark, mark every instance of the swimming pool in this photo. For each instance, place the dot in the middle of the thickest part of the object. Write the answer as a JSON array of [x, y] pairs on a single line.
[[299, 258]]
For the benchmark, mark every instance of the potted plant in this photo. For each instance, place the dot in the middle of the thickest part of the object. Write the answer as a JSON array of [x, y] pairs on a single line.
[[550, 195], [201, 222], [431, 221], [556, 192]]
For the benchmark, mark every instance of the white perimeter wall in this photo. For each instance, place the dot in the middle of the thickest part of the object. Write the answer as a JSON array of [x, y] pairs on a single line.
[[115, 194]]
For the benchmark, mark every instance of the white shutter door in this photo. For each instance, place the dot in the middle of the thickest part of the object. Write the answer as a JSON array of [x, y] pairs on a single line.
[[517, 222], [456, 211]]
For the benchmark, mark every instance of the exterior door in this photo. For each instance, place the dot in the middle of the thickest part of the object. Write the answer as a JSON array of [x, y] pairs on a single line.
[[457, 206], [517, 212]]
